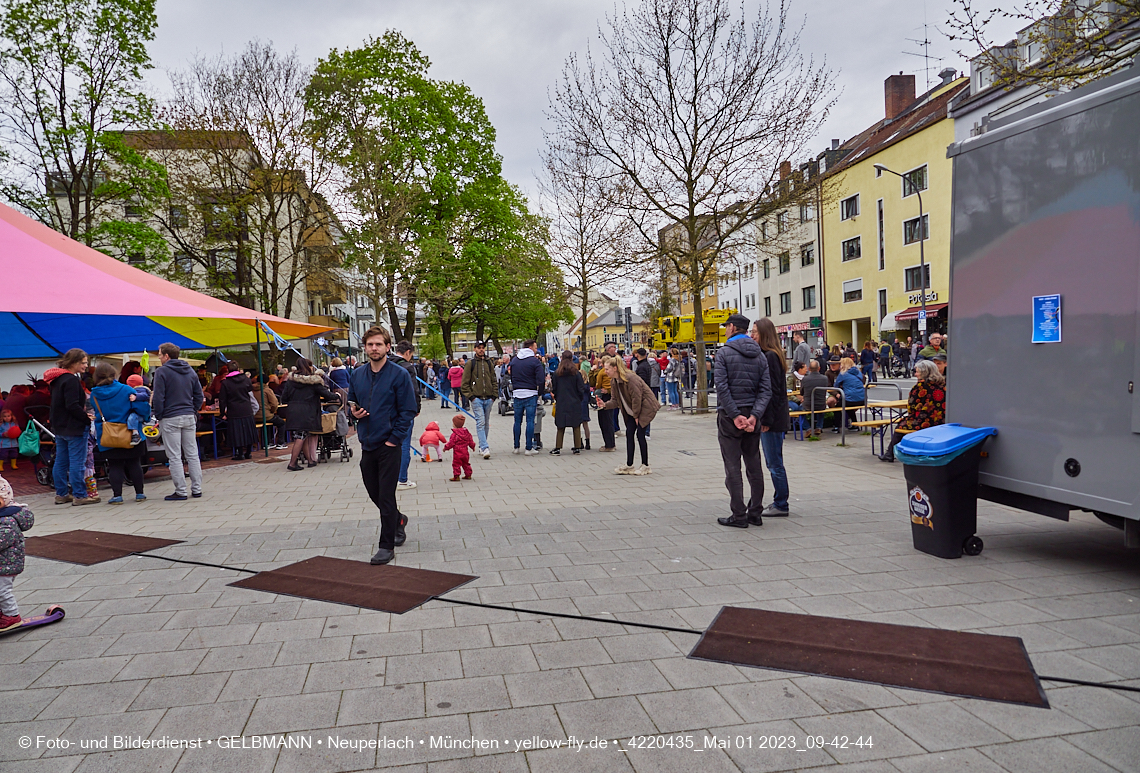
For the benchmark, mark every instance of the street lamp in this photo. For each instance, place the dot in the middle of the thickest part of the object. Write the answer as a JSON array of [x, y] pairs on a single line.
[[921, 253]]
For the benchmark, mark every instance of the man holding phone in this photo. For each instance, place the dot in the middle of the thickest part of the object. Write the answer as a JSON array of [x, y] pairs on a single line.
[[383, 401]]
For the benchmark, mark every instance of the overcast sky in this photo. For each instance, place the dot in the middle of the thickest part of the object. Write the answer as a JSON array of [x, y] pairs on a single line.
[[511, 52]]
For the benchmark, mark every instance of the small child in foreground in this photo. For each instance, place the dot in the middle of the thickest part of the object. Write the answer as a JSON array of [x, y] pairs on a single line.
[[15, 519], [460, 445], [430, 442]]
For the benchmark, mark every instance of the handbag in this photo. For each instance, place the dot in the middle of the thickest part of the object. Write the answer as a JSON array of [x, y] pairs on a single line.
[[113, 434], [30, 440]]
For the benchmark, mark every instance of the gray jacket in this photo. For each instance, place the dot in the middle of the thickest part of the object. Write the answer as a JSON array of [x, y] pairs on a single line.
[[743, 385], [802, 354], [177, 391], [14, 521]]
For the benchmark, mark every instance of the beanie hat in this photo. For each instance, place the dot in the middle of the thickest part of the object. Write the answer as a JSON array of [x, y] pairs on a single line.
[[134, 380]]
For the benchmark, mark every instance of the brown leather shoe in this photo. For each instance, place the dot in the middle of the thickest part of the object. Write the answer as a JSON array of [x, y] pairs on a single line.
[[85, 501], [63, 500]]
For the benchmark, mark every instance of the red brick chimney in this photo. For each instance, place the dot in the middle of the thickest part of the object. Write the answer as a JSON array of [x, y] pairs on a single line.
[[785, 170], [898, 92]]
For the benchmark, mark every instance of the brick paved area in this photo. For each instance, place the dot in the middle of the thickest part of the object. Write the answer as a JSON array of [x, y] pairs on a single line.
[[152, 650]]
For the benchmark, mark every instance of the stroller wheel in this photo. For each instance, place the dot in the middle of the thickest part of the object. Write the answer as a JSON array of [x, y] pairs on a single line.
[[43, 476]]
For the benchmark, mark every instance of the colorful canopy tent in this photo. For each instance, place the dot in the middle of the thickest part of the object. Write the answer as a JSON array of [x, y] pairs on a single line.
[[57, 294]]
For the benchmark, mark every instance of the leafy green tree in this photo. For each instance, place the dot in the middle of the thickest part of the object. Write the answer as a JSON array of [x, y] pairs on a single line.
[[70, 74]]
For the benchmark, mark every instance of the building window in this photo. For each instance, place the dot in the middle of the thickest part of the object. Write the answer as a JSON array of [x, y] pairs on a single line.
[[882, 245], [882, 304], [781, 222], [178, 217], [912, 277], [914, 181], [134, 211], [767, 269], [809, 297], [763, 230], [807, 212], [785, 303], [136, 258], [768, 306], [849, 208], [224, 265], [851, 249], [852, 290], [807, 255], [785, 262], [911, 231], [183, 264]]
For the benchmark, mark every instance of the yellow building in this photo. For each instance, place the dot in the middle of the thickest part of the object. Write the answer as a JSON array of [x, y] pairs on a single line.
[[872, 233]]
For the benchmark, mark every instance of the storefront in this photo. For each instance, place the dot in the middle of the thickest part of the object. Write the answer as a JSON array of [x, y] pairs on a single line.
[[906, 321], [812, 330]]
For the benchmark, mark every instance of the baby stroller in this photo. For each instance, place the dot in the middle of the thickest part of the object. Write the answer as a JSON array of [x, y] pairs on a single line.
[[506, 400], [333, 437]]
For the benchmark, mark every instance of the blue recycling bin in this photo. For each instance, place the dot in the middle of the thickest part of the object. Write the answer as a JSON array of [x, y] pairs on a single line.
[[941, 469]]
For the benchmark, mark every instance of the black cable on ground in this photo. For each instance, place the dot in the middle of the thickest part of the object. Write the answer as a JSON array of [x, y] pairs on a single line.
[[1089, 684], [567, 616], [196, 563]]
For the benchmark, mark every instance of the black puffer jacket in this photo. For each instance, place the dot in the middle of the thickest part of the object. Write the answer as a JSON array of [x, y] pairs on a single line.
[[776, 417], [743, 385]]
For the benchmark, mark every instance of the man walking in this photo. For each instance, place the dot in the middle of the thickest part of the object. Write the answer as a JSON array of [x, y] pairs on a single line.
[[176, 401], [404, 352], [528, 377], [802, 352], [481, 387], [383, 402], [743, 390]]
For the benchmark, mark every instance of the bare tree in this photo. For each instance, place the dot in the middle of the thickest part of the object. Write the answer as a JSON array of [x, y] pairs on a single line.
[[592, 241], [1062, 43], [695, 110]]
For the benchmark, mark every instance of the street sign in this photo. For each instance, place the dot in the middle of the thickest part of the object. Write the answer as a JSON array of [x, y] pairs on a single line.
[[922, 314]]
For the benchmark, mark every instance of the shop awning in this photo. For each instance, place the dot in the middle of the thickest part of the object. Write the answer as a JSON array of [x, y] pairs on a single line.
[[58, 294], [912, 312]]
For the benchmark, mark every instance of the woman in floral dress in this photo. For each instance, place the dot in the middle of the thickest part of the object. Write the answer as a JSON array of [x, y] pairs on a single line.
[[926, 406]]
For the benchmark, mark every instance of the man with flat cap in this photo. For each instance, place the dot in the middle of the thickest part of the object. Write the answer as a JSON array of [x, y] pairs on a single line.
[[743, 390]]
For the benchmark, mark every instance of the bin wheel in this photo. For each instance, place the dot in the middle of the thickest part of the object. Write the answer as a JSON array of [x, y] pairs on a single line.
[[972, 546]]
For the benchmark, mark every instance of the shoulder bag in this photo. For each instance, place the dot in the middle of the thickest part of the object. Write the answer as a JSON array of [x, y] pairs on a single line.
[[113, 434]]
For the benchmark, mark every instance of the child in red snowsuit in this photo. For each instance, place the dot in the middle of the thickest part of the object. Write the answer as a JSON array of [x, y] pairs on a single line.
[[430, 441], [460, 445]]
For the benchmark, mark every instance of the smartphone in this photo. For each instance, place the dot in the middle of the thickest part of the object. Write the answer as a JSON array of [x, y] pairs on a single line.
[[353, 405]]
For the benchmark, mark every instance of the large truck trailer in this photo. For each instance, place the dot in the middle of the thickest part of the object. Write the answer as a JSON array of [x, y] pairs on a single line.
[[1044, 337]]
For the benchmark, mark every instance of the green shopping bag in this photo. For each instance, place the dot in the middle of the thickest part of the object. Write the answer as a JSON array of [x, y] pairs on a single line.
[[30, 440]]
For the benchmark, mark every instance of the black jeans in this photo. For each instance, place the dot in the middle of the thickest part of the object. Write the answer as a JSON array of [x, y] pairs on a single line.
[[606, 422], [381, 470], [632, 429], [734, 445], [119, 469]]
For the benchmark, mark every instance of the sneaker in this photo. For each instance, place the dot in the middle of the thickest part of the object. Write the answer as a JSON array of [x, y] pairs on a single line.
[[642, 470], [517, 450], [9, 621], [486, 453], [771, 511], [63, 500], [619, 433], [142, 497], [175, 497], [556, 452], [115, 501], [530, 452], [624, 470], [196, 495], [85, 501], [406, 484]]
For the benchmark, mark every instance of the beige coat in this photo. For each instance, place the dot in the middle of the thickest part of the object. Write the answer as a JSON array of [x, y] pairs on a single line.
[[635, 398]]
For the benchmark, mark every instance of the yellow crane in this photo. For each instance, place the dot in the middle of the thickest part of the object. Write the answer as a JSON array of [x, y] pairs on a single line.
[[681, 331]]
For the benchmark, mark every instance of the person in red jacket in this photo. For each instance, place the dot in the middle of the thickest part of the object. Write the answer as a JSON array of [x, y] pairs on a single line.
[[460, 445], [430, 442]]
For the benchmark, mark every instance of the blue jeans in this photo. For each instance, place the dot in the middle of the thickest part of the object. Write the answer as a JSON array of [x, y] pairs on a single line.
[[70, 459], [406, 454], [444, 392], [674, 394], [481, 407], [525, 405], [773, 445], [869, 371]]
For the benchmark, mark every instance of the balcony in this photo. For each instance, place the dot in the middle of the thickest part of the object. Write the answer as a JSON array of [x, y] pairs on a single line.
[[326, 320]]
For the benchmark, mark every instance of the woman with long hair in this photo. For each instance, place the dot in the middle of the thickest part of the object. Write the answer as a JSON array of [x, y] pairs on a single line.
[[926, 404], [638, 406], [568, 388], [114, 402], [775, 421], [303, 394]]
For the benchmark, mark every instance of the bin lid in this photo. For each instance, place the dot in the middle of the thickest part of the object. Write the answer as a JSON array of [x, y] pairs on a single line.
[[943, 439]]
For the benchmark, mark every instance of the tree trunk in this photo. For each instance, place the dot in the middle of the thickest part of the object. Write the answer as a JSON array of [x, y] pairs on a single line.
[[445, 331], [410, 318], [699, 347], [480, 328]]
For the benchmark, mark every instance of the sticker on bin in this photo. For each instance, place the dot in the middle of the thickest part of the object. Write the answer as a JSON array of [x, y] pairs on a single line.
[[921, 511]]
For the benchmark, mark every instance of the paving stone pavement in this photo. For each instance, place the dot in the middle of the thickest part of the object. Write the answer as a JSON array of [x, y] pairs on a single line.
[[154, 650]]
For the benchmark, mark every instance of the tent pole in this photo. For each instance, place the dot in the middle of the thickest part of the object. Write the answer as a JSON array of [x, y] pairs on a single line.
[[264, 386]]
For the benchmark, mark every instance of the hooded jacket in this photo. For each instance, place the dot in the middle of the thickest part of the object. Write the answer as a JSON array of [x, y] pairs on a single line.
[[68, 403], [527, 372], [177, 391], [15, 519], [743, 385], [233, 399], [460, 444], [432, 436], [479, 378], [339, 376]]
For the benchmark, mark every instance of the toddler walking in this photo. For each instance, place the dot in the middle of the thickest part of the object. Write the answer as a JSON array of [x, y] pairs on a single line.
[[15, 519], [460, 445], [430, 441], [135, 382], [9, 439]]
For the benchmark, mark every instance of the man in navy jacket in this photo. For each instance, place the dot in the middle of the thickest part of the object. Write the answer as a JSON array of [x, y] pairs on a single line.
[[384, 406]]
